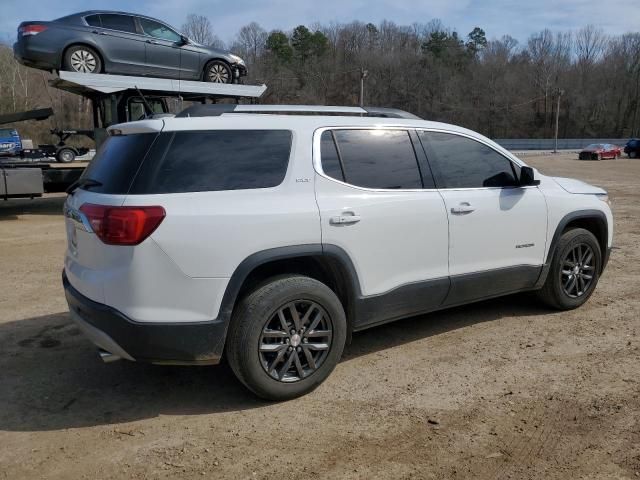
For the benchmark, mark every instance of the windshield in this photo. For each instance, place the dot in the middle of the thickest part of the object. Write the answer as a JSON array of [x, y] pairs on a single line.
[[594, 146], [8, 132]]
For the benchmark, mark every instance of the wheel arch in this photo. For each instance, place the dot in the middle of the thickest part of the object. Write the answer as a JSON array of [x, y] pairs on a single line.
[[595, 221], [81, 44], [328, 264]]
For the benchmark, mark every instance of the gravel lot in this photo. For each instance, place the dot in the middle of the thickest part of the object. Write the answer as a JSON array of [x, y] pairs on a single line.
[[499, 389]]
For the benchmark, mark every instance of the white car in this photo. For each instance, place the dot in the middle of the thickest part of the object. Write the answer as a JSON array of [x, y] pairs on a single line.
[[267, 237]]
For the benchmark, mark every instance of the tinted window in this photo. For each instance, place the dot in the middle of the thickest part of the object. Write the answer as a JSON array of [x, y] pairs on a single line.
[[329, 155], [117, 162], [378, 158], [158, 30], [460, 162], [124, 23], [8, 132], [93, 20], [216, 160]]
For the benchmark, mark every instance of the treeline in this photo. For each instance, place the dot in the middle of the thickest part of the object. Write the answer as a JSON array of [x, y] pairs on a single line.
[[500, 87]]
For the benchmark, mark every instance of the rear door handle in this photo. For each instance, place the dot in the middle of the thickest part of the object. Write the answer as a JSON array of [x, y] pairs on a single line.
[[98, 32], [344, 219], [462, 209]]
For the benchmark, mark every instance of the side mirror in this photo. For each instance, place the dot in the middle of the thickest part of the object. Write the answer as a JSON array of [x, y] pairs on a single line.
[[184, 40], [527, 177]]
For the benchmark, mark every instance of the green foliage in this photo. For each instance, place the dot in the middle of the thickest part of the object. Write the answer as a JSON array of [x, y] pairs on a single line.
[[477, 41], [307, 45], [278, 45]]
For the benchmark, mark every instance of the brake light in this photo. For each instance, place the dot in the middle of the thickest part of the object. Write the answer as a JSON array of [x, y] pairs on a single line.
[[123, 225], [32, 29]]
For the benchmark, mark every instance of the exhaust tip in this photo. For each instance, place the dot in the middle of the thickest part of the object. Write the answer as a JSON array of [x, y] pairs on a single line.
[[108, 357]]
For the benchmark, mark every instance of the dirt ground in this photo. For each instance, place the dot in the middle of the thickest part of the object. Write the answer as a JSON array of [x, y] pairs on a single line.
[[496, 390]]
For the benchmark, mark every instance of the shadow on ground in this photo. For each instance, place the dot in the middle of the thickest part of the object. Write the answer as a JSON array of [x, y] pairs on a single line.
[[52, 378], [48, 205]]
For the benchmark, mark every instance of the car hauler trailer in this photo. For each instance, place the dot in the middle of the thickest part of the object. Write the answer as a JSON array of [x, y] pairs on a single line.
[[114, 99]]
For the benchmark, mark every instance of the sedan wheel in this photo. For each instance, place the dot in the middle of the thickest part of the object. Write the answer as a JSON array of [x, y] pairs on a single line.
[[82, 59], [218, 72]]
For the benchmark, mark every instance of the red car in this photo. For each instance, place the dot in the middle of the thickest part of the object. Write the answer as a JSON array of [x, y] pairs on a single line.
[[600, 151]]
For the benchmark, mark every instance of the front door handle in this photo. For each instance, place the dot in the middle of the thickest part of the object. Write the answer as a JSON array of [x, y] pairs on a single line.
[[344, 219], [462, 209], [153, 42], [98, 32]]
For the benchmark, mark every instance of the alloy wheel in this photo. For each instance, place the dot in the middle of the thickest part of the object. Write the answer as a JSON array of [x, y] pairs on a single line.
[[83, 61], [295, 341], [218, 73], [577, 271]]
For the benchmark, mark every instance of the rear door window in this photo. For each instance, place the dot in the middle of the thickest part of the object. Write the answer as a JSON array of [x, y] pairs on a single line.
[[214, 160], [122, 23], [373, 158]]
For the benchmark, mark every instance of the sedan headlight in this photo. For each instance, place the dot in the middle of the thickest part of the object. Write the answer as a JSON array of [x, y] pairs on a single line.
[[237, 59]]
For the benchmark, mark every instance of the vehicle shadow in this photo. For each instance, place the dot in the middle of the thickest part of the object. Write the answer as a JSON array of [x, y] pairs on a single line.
[[49, 205], [52, 378]]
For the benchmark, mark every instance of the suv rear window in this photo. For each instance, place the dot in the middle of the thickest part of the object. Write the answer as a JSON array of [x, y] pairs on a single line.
[[117, 161], [214, 160]]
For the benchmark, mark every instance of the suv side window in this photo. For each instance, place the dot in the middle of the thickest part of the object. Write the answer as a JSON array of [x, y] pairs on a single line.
[[123, 23], [460, 162], [158, 30], [214, 160], [372, 158]]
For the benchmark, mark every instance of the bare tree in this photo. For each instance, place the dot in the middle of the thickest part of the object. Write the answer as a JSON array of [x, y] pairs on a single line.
[[198, 28], [252, 39]]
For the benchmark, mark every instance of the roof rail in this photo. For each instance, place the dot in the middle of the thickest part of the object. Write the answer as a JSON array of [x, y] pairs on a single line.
[[208, 110]]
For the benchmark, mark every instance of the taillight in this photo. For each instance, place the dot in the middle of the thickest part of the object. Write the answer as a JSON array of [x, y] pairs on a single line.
[[32, 29], [123, 225]]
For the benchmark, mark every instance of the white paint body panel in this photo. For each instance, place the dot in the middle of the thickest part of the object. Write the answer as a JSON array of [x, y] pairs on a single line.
[[180, 273], [507, 227]]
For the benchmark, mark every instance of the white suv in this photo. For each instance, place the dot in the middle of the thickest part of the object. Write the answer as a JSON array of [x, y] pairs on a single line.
[[269, 238]]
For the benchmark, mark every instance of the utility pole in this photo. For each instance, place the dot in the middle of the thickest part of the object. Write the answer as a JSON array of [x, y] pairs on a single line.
[[560, 92], [363, 75]]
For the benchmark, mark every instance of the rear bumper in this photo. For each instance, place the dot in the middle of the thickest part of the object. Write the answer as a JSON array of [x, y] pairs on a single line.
[[33, 53], [188, 343]]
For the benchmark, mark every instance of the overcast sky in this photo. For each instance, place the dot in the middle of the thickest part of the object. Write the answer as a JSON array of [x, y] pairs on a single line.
[[517, 18]]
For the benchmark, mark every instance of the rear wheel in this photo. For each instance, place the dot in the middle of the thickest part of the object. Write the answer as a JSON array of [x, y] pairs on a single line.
[[218, 71], [65, 155], [286, 337], [574, 271], [82, 59]]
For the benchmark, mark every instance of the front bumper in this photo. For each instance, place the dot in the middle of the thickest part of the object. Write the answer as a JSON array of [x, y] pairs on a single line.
[[186, 343]]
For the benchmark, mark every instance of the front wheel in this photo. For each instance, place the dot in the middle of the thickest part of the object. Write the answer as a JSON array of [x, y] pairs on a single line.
[[218, 71], [286, 337], [574, 271]]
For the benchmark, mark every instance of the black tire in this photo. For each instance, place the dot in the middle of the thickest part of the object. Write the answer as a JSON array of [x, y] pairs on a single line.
[[633, 154], [218, 71], [65, 155], [82, 59], [554, 293], [252, 320]]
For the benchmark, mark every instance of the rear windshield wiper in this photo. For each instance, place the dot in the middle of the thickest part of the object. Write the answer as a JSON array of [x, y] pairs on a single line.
[[85, 183]]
